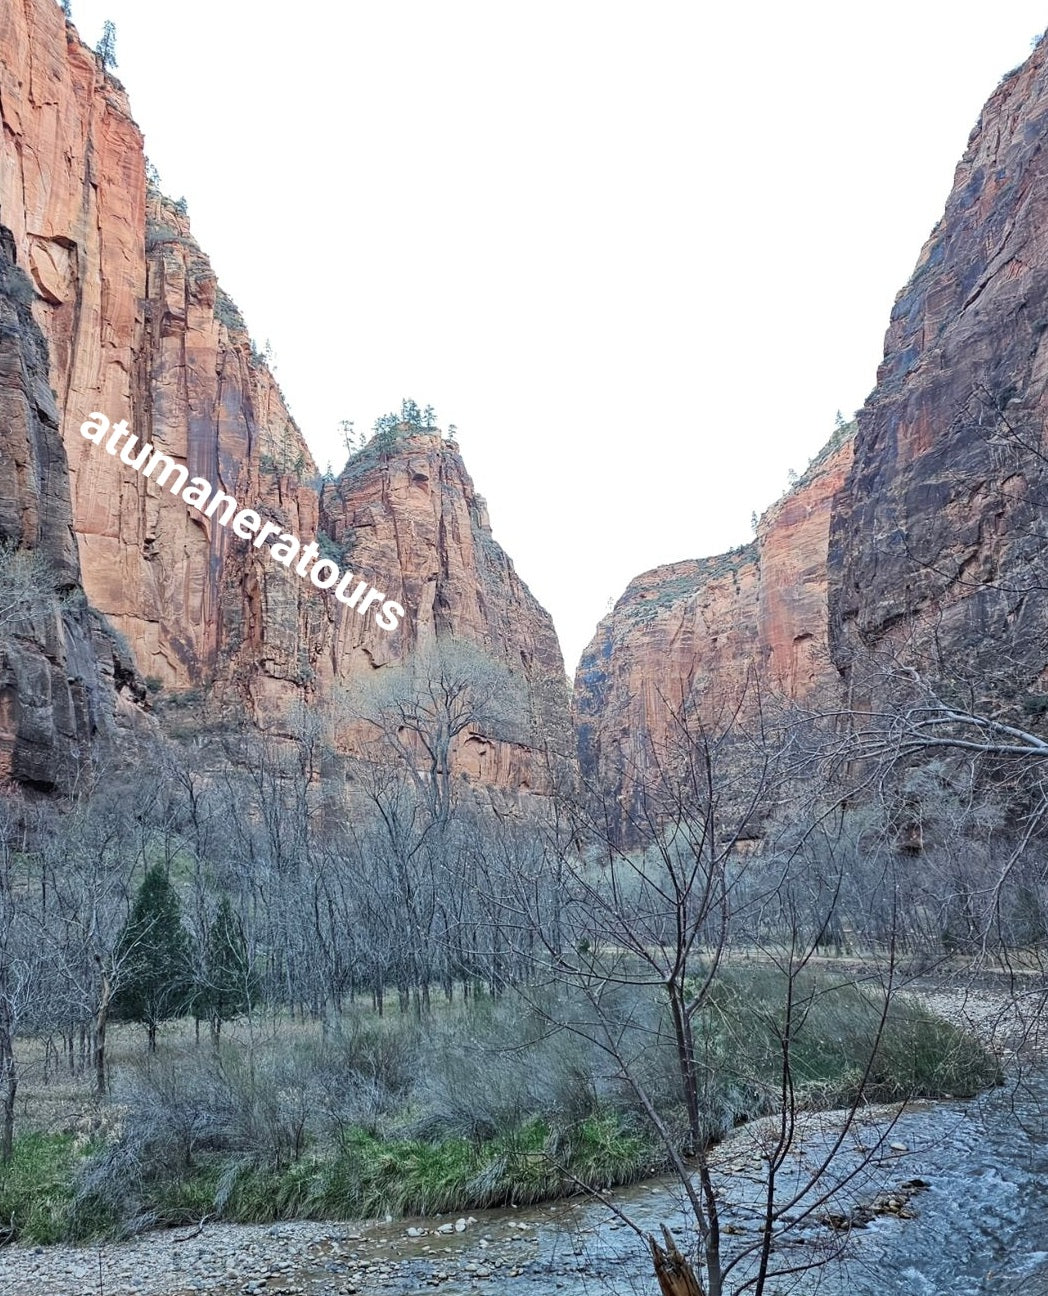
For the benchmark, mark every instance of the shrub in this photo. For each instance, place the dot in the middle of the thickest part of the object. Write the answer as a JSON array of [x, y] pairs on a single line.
[[835, 1027], [227, 311], [328, 547], [487, 1104]]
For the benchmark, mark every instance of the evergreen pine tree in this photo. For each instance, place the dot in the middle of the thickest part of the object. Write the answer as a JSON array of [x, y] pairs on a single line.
[[106, 47], [153, 958], [229, 982], [349, 437]]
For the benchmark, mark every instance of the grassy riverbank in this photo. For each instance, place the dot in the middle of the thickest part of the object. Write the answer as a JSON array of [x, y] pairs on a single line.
[[476, 1106]]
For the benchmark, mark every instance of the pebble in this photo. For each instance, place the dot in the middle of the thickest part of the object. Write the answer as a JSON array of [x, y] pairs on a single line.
[[293, 1259]]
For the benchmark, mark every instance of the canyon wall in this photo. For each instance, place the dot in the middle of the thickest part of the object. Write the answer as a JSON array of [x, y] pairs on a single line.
[[925, 527], [711, 634], [407, 514], [937, 545], [920, 540], [69, 692], [138, 328]]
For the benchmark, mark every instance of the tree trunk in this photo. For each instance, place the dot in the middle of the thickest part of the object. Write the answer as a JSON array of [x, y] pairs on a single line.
[[9, 1075], [673, 1270], [686, 1061], [101, 1019]]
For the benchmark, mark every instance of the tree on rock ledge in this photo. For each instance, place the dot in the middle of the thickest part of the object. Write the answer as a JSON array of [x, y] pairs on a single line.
[[106, 47]]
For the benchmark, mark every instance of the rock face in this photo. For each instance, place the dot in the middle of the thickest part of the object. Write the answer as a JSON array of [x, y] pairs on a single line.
[[710, 633], [406, 513], [138, 329], [941, 522], [924, 537], [929, 519], [68, 689]]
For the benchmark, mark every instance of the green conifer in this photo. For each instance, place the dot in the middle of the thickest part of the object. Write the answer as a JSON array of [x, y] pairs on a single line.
[[153, 958], [106, 47]]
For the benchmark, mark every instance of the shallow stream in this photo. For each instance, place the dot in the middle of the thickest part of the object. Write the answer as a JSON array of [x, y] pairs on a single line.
[[981, 1224]]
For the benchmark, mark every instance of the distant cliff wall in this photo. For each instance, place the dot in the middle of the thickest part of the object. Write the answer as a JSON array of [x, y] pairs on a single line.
[[711, 633]]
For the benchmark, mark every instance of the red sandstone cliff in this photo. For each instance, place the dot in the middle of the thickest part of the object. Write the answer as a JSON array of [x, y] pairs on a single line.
[[69, 693], [409, 517], [708, 632], [941, 524], [926, 536], [138, 328]]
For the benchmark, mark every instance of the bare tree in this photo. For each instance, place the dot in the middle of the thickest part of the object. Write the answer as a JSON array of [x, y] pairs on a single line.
[[19, 969], [27, 589], [745, 866], [419, 711]]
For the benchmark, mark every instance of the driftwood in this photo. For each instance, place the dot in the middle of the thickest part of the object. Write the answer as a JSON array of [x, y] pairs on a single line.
[[188, 1237], [673, 1270]]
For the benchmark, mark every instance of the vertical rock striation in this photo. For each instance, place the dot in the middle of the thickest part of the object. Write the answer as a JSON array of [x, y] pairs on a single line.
[[925, 537], [407, 515], [68, 687]]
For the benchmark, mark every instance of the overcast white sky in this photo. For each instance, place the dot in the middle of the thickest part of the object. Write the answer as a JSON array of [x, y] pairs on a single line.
[[639, 254]]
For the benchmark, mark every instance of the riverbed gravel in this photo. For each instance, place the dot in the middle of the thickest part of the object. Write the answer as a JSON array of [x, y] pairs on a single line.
[[287, 1259]]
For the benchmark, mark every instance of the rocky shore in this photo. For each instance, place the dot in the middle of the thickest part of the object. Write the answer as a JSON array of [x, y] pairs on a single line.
[[287, 1259]]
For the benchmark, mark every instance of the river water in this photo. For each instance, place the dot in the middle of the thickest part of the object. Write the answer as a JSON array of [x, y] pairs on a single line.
[[980, 1225]]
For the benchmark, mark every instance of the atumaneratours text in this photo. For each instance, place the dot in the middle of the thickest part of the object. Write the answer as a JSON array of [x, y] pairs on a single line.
[[198, 493]]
